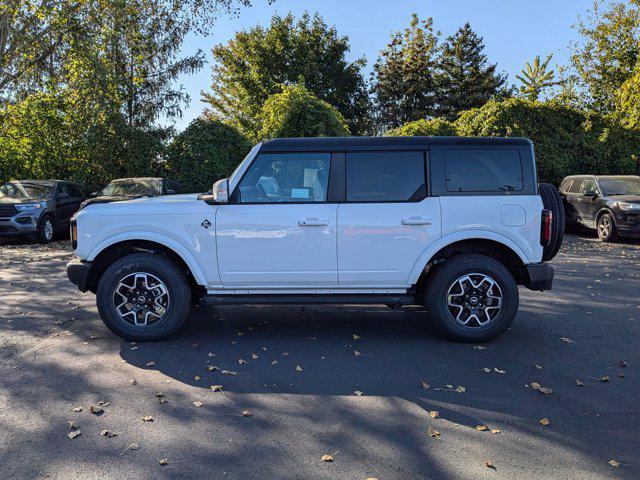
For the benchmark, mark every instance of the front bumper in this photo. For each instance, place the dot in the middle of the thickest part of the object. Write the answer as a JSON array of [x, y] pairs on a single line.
[[78, 273], [540, 276], [19, 225]]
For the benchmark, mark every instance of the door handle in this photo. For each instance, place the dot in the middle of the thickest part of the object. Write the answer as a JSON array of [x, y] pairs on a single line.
[[416, 221], [313, 222]]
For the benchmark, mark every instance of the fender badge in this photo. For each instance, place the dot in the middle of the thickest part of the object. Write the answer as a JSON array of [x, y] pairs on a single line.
[[206, 224]]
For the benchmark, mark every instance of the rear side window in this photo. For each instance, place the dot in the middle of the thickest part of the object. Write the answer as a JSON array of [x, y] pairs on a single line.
[[486, 170], [386, 176]]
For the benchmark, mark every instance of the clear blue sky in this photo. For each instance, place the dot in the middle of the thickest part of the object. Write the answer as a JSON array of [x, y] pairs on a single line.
[[514, 31]]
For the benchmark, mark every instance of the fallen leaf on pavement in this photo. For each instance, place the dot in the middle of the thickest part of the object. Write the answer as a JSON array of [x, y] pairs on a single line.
[[216, 388], [482, 428], [579, 383], [495, 431], [74, 433], [434, 414], [164, 461], [623, 364], [433, 433], [108, 433], [274, 362], [614, 463], [77, 409], [542, 390], [486, 370], [424, 385], [197, 378], [247, 413], [254, 356], [298, 368], [197, 404], [544, 422], [327, 458], [133, 381], [358, 393], [150, 364], [538, 367], [479, 347], [497, 370], [460, 389], [488, 464], [211, 368], [96, 410], [73, 424], [356, 353], [228, 372], [356, 337], [567, 340], [133, 446], [147, 418], [604, 378], [159, 394]]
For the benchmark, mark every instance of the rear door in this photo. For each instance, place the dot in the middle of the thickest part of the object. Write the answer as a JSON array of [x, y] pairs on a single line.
[[387, 220], [279, 230]]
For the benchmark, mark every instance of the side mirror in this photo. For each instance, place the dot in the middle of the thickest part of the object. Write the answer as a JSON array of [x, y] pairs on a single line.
[[590, 193], [95, 194], [220, 191]]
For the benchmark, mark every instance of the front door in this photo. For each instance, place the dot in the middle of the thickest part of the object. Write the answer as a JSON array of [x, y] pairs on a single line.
[[586, 205], [279, 231], [387, 220]]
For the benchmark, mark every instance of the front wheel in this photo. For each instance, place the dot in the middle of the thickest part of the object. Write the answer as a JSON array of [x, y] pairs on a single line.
[[606, 228], [45, 229], [143, 297], [471, 298]]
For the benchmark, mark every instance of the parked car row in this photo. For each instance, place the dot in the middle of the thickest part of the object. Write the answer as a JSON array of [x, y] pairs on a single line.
[[43, 208]]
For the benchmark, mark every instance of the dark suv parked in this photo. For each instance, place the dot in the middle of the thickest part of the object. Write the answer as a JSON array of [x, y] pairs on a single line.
[[610, 204], [38, 207], [129, 188]]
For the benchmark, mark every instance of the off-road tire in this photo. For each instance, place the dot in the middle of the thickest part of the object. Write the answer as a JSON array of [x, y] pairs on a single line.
[[165, 270], [552, 201], [445, 274]]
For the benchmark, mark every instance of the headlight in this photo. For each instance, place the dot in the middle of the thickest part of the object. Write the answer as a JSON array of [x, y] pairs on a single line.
[[628, 206], [29, 206]]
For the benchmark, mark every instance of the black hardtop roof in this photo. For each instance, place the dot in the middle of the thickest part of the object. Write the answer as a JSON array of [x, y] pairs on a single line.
[[588, 175], [382, 143]]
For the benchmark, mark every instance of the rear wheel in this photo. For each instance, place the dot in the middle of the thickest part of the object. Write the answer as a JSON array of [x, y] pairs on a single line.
[[552, 201], [606, 228], [471, 298], [143, 297]]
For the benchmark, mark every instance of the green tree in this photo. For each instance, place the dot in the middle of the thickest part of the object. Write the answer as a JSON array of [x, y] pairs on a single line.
[[628, 102], [255, 63], [204, 152], [405, 77], [467, 80], [608, 51], [438, 127], [536, 78], [296, 112]]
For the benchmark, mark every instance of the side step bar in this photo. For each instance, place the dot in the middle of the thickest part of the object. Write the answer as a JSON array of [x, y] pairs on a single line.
[[320, 299]]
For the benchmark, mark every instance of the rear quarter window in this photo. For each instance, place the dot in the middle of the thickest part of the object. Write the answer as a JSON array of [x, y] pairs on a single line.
[[483, 170]]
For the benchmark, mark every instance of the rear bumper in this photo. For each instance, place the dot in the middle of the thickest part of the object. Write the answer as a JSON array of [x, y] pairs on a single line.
[[540, 276], [78, 273]]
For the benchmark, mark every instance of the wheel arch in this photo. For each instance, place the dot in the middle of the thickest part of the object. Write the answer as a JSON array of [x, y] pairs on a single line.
[[512, 258], [109, 251], [602, 211]]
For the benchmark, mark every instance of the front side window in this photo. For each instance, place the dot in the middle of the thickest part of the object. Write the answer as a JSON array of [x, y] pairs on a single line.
[[286, 177], [589, 185], [386, 177], [486, 170], [26, 190], [620, 186]]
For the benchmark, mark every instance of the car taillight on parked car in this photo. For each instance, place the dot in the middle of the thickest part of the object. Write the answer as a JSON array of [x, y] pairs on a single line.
[[73, 233], [545, 228]]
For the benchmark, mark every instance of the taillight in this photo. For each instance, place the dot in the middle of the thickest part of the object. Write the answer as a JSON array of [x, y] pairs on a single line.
[[73, 233], [545, 228]]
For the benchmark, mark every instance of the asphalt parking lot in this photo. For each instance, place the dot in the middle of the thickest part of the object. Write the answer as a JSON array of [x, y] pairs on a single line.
[[344, 381]]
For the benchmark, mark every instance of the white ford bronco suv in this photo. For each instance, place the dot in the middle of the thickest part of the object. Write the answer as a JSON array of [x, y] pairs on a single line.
[[451, 224]]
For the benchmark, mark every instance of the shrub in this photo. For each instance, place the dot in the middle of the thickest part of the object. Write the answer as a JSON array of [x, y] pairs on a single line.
[[567, 141], [204, 152], [431, 128], [296, 112]]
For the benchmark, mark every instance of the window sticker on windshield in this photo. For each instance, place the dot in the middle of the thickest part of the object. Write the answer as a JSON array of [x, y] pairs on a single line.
[[310, 177], [299, 193]]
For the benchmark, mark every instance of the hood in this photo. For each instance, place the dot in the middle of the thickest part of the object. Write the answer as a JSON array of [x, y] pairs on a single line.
[[18, 201], [142, 200], [106, 199], [626, 198]]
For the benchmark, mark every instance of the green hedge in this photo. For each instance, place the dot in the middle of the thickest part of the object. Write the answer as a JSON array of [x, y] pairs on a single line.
[[204, 152], [566, 141], [436, 127]]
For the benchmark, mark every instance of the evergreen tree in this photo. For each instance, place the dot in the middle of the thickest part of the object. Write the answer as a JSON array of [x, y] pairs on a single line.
[[536, 78], [467, 80], [404, 77]]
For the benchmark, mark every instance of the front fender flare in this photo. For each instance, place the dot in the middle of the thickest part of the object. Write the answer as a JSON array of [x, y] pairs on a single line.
[[426, 256], [180, 249]]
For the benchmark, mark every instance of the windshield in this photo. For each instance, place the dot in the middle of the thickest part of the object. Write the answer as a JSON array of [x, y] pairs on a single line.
[[130, 187], [20, 190], [621, 186]]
